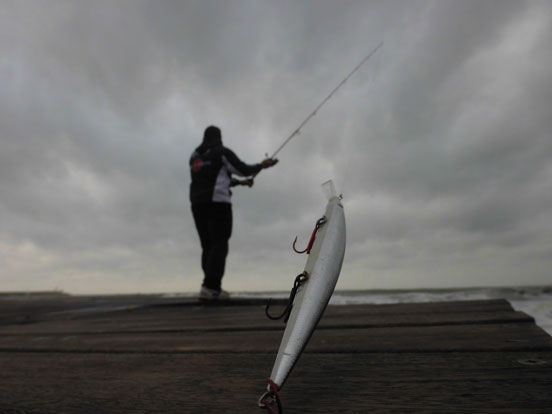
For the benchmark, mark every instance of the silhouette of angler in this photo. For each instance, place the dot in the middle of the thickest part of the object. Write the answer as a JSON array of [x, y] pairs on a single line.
[[211, 167]]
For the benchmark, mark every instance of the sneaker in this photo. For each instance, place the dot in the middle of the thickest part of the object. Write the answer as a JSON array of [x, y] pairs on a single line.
[[212, 294]]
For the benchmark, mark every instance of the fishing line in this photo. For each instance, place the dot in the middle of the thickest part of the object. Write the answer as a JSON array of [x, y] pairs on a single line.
[[343, 163]]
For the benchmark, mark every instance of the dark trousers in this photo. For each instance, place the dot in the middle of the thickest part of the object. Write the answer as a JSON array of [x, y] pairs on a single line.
[[214, 225]]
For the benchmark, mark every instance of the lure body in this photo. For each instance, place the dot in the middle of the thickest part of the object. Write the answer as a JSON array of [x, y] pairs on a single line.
[[322, 268]]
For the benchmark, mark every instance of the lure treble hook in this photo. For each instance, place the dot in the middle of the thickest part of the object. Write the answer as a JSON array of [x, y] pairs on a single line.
[[319, 224], [299, 280]]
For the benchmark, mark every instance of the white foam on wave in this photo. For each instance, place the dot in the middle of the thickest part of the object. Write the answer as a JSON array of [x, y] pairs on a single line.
[[541, 310]]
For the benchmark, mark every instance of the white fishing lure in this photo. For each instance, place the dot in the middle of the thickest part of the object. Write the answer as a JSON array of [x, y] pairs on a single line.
[[319, 279]]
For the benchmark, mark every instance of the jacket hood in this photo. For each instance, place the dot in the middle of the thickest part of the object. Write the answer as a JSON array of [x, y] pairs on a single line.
[[211, 138]]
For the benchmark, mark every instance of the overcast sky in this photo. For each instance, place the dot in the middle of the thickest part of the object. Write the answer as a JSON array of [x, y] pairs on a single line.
[[441, 143]]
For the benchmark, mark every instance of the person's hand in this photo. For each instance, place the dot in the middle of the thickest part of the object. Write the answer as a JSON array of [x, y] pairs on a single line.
[[269, 162], [248, 182]]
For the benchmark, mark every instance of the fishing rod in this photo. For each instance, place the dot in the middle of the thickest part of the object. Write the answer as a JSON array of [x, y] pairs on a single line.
[[326, 99], [249, 181]]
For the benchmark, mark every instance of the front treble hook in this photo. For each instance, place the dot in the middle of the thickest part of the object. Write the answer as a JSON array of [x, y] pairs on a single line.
[[319, 224]]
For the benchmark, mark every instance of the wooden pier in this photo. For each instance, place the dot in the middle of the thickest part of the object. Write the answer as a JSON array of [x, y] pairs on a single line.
[[148, 354]]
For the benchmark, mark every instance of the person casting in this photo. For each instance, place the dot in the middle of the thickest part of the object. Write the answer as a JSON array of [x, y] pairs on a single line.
[[212, 166]]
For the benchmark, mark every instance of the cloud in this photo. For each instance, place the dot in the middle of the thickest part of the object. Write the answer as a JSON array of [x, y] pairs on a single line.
[[440, 143]]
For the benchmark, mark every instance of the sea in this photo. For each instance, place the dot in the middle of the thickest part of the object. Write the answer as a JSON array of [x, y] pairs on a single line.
[[533, 300]]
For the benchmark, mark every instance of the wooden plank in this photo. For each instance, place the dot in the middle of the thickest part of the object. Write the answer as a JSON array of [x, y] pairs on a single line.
[[35, 309], [13, 312], [321, 383], [492, 305], [252, 319], [114, 318], [486, 337]]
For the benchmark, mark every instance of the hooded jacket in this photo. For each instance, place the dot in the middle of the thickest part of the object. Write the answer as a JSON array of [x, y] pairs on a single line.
[[212, 166]]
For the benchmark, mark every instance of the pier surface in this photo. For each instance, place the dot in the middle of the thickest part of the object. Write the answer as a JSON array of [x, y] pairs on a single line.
[[148, 354]]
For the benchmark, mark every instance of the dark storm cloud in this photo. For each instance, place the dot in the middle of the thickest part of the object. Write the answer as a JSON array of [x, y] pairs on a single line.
[[440, 143]]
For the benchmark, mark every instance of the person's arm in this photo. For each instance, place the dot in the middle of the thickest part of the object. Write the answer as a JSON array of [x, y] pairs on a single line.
[[238, 167]]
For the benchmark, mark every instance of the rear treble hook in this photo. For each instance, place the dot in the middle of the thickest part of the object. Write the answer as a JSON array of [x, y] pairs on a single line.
[[299, 280]]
